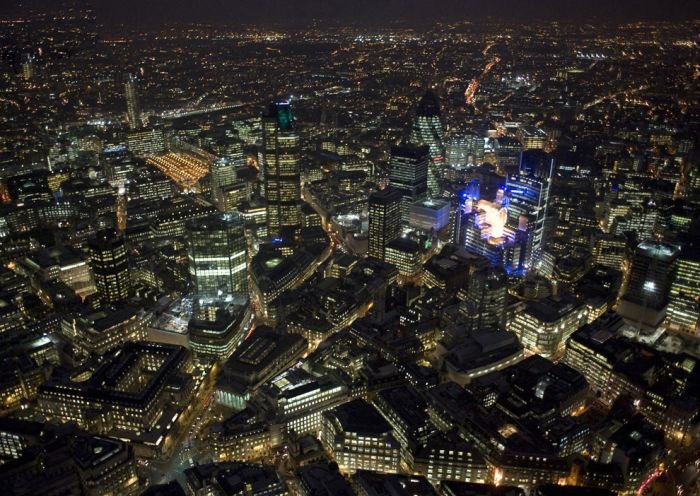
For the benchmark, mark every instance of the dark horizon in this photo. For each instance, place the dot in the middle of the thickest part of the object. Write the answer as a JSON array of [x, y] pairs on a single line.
[[369, 12]]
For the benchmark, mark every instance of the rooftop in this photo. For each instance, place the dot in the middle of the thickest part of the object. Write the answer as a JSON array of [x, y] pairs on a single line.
[[360, 417], [661, 251]]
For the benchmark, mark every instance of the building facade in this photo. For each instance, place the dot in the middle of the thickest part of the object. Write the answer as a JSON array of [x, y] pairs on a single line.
[[110, 266], [217, 255], [384, 220], [280, 168]]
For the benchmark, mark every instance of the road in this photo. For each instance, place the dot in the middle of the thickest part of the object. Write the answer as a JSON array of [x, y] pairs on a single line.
[[184, 446], [330, 226]]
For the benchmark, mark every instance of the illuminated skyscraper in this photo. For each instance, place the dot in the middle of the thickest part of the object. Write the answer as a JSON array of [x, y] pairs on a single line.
[[464, 149], [231, 148], [117, 163], [529, 193], [28, 67], [110, 266], [457, 152], [384, 220], [484, 230], [427, 130], [653, 270], [223, 173], [216, 251], [280, 168], [408, 173], [227, 188], [684, 304], [133, 109], [121, 209]]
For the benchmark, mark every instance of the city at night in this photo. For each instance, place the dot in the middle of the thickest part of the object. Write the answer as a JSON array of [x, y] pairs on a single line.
[[349, 248]]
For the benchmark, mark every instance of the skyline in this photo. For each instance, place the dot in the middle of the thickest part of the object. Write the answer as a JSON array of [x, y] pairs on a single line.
[[379, 254], [376, 13]]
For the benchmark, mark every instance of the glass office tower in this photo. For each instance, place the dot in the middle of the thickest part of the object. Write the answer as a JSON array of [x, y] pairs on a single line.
[[280, 168], [216, 251], [133, 108], [529, 195], [110, 265], [384, 220], [428, 130], [408, 173]]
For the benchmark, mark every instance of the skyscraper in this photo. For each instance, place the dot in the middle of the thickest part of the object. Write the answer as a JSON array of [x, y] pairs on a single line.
[[231, 148], [280, 168], [427, 130], [684, 300], [457, 152], [216, 251], [223, 173], [486, 298], [464, 149], [652, 273], [133, 109], [483, 229], [529, 193], [117, 164], [121, 207], [384, 220], [408, 173], [110, 265], [28, 67]]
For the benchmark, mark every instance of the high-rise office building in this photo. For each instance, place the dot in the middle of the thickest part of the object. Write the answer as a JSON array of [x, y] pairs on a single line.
[[280, 168], [117, 163], [232, 195], [216, 251], [110, 265], [408, 173], [464, 149], [457, 152], [223, 173], [427, 130], [384, 220], [230, 148], [508, 150], [121, 209], [133, 109], [28, 67], [529, 194], [684, 304], [429, 216], [609, 250], [483, 229], [532, 137], [653, 270], [147, 142], [406, 255], [486, 298]]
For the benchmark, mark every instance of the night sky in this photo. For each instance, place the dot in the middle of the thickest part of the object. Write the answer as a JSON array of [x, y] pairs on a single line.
[[378, 12]]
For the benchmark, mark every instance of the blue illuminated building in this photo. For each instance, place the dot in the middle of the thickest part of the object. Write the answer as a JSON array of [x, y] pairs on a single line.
[[528, 192], [484, 230]]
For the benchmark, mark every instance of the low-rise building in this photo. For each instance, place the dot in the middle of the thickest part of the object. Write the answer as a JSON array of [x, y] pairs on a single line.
[[101, 331], [261, 356], [360, 439], [544, 326]]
